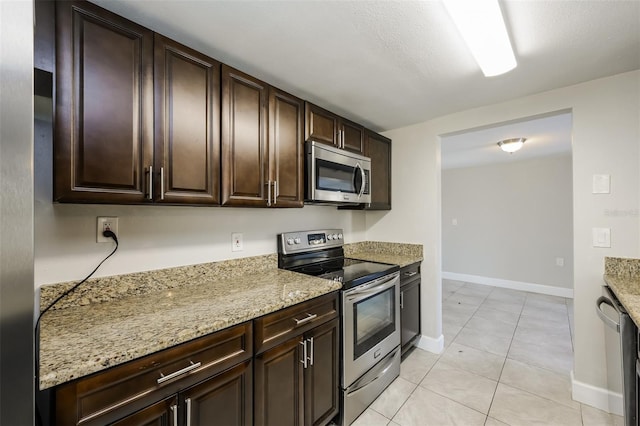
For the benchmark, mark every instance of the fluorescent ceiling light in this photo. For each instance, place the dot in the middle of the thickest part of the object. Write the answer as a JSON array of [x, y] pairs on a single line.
[[481, 25]]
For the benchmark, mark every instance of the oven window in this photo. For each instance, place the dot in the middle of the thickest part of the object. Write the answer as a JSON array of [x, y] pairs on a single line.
[[334, 177], [373, 320]]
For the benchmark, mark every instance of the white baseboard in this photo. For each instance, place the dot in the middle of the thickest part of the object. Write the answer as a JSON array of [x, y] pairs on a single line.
[[515, 285], [600, 398], [430, 344]]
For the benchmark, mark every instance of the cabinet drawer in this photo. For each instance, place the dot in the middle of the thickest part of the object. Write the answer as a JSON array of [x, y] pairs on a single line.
[[280, 326], [107, 396], [410, 273]]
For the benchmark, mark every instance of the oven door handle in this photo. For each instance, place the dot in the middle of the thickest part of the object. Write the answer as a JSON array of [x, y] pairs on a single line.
[[362, 179], [377, 287]]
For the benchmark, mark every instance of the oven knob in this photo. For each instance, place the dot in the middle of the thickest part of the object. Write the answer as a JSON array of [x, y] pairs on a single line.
[[335, 236], [339, 236], [297, 241], [329, 237], [290, 241]]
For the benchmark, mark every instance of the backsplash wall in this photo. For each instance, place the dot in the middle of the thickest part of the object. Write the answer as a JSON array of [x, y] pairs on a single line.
[[156, 237]]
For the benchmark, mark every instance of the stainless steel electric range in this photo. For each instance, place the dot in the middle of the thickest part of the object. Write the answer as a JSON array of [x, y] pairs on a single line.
[[370, 317]]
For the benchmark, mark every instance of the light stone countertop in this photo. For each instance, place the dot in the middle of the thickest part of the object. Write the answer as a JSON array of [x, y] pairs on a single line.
[[623, 276], [384, 252], [81, 340]]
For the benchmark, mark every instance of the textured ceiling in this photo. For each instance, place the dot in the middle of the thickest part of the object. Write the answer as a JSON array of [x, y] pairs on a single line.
[[388, 64]]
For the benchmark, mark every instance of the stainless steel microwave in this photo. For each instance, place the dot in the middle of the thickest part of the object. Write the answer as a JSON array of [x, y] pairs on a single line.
[[335, 176]]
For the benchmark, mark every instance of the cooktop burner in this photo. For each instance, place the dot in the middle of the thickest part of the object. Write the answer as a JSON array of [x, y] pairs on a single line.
[[318, 255]]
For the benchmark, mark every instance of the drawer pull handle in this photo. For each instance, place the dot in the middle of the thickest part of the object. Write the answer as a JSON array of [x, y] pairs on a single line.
[[310, 317], [175, 374], [410, 274]]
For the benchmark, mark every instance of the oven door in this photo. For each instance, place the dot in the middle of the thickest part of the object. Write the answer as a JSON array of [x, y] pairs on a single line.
[[371, 325], [334, 175]]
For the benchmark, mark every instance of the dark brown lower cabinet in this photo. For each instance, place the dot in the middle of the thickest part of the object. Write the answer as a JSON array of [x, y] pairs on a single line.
[[296, 382], [158, 414], [409, 306]]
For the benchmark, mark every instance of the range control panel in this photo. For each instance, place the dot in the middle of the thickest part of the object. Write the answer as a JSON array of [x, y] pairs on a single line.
[[302, 241]]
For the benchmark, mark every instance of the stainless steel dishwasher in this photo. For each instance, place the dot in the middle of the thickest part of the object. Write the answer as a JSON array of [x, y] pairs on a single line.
[[620, 340]]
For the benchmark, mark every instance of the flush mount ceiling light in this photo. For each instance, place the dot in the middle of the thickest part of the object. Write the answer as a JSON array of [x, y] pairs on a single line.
[[511, 145], [481, 25]]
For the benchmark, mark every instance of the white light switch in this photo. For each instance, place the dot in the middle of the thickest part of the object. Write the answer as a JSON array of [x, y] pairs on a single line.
[[454, 222], [602, 237], [601, 184]]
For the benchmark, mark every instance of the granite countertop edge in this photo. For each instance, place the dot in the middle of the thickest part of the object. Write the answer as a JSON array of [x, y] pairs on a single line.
[[627, 290]]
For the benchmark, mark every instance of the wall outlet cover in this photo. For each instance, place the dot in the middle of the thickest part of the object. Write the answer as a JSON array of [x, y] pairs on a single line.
[[236, 241]]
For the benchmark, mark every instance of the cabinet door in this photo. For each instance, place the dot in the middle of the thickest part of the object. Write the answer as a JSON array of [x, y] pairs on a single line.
[[321, 125], [163, 413], [279, 385], [379, 149], [244, 137], [409, 312], [225, 399], [187, 125], [286, 148], [322, 375], [104, 106], [352, 137]]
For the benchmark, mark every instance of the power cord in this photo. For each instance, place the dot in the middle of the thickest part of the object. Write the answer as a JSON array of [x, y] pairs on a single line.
[[108, 234]]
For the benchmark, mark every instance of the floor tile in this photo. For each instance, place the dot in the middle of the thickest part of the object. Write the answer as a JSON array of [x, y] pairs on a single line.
[[393, 397], [507, 295], [490, 313], [454, 316], [371, 418], [473, 360], [493, 422], [516, 407], [499, 305], [474, 300], [425, 407], [483, 341], [415, 366], [544, 298], [449, 331], [475, 289], [494, 327], [539, 354], [538, 381], [461, 386], [452, 285], [559, 336], [546, 324], [594, 417], [553, 314]]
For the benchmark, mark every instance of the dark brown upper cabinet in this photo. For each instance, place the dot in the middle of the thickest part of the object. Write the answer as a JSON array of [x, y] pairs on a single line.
[[379, 150], [104, 106], [187, 125], [326, 127], [286, 148], [262, 150]]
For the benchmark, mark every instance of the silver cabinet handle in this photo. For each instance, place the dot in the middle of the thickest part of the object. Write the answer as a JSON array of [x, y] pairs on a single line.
[[268, 193], [275, 192], [304, 353], [188, 402], [310, 317], [162, 183], [608, 321], [174, 411], [150, 194], [410, 274], [175, 374], [402, 300], [311, 350]]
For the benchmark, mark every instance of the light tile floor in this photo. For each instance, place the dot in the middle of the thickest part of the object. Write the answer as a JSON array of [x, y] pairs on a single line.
[[507, 359]]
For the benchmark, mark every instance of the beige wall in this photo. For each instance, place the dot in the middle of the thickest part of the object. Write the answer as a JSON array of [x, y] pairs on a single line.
[[513, 220], [606, 134]]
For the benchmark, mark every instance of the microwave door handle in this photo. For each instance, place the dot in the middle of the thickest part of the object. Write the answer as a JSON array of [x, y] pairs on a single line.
[[362, 176]]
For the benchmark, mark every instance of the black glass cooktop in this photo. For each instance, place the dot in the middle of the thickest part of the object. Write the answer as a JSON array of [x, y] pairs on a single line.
[[351, 272]]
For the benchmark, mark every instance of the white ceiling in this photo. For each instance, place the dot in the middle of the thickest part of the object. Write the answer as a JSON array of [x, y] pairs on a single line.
[[546, 136], [387, 64]]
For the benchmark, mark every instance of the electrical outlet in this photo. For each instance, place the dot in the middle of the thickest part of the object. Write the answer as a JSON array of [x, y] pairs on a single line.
[[236, 241], [106, 224]]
